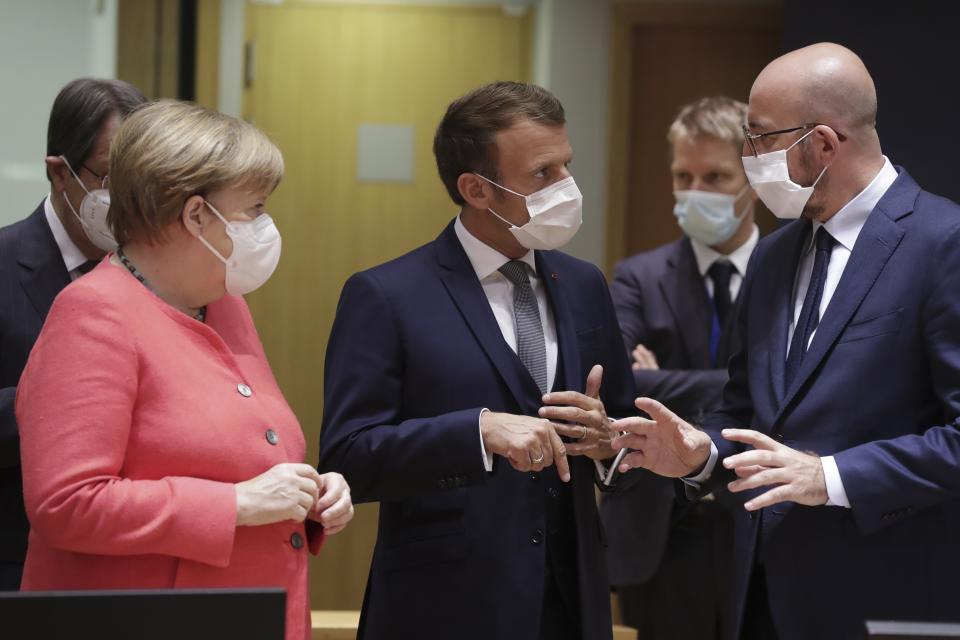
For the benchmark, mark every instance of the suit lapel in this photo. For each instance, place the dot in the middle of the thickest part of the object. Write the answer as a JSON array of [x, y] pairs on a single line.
[[567, 348], [461, 282], [877, 241], [781, 300], [683, 289], [42, 272]]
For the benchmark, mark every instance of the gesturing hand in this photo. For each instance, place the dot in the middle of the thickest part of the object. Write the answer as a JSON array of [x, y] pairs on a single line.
[[799, 475], [334, 509], [664, 444], [287, 491], [591, 426], [530, 444]]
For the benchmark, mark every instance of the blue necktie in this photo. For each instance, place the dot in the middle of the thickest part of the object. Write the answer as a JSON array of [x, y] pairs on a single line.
[[810, 312], [720, 273]]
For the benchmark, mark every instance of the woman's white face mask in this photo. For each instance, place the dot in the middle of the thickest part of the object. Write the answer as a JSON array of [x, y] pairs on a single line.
[[256, 252]]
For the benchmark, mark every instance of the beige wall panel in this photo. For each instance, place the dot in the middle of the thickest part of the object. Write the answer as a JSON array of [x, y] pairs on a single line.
[[321, 70], [208, 52]]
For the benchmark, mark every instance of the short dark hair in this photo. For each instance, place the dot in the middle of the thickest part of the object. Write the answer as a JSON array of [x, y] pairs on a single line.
[[79, 112], [465, 142]]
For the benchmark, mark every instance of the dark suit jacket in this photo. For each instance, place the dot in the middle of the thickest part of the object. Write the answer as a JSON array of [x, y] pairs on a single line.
[[662, 303], [879, 389], [414, 356], [32, 273]]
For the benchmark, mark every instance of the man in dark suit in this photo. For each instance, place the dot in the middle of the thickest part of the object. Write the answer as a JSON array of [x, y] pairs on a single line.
[[39, 256], [669, 561], [438, 366], [839, 424]]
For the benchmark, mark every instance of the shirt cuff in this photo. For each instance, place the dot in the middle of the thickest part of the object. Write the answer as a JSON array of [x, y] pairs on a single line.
[[487, 457], [836, 494], [703, 476]]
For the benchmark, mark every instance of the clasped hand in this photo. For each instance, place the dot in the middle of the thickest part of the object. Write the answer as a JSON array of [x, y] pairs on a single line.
[[295, 491], [532, 444]]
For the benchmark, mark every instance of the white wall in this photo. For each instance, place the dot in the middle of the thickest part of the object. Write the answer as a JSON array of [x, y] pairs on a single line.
[[43, 45]]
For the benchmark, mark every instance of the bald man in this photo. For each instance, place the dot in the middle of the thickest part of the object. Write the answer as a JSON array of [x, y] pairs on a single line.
[[839, 426]]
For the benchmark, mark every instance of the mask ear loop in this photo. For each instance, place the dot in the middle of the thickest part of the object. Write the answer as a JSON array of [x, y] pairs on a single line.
[[798, 142], [204, 240], [519, 195]]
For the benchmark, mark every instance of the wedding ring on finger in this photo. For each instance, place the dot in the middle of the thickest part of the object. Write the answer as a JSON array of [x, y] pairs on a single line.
[[583, 433]]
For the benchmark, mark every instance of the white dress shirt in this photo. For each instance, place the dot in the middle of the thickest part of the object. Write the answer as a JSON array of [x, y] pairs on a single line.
[[739, 258], [499, 291], [72, 256], [845, 226]]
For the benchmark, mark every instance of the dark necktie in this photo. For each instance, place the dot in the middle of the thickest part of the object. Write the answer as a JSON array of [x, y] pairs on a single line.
[[720, 273], [531, 347], [87, 266], [810, 312]]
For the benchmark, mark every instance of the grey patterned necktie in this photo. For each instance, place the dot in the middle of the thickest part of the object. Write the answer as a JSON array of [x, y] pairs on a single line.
[[526, 320]]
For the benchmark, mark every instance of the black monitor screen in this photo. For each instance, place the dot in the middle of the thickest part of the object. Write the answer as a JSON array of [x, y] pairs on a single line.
[[177, 614]]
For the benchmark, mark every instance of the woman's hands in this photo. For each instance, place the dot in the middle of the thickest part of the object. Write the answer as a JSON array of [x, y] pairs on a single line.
[[294, 491]]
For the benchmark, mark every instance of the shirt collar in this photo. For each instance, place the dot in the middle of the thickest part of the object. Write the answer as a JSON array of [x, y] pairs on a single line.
[[739, 257], [72, 256], [485, 259], [845, 225]]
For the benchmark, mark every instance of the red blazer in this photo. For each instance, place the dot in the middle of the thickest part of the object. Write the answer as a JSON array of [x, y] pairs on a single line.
[[135, 422]]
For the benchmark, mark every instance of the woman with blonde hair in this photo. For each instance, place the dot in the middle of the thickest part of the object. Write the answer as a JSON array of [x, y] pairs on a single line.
[[158, 450]]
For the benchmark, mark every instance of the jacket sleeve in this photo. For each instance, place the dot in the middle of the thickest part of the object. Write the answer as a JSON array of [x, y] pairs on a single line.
[[383, 454], [886, 480], [75, 406]]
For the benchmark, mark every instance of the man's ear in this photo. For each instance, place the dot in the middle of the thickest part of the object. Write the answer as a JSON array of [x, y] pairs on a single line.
[[477, 192], [191, 215], [826, 143], [58, 173]]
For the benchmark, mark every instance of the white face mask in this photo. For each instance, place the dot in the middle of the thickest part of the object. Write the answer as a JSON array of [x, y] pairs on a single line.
[[556, 213], [707, 216], [769, 175], [93, 214], [256, 252]]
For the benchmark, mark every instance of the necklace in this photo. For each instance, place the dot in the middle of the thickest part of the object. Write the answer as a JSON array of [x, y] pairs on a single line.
[[200, 315]]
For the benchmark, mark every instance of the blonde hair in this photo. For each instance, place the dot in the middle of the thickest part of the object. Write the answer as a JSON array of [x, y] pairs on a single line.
[[170, 150], [717, 117]]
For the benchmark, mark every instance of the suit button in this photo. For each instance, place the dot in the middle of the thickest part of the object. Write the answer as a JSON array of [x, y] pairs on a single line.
[[537, 536], [534, 476], [244, 390], [296, 540], [443, 483], [778, 437], [272, 436], [552, 492]]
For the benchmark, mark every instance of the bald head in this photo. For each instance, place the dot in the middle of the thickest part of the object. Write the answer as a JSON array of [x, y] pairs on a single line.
[[824, 83]]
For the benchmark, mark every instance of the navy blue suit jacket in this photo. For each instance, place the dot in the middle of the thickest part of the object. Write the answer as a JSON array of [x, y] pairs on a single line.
[[879, 389], [32, 273], [662, 303], [414, 356]]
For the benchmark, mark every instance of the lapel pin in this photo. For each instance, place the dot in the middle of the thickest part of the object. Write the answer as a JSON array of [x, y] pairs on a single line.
[[555, 276]]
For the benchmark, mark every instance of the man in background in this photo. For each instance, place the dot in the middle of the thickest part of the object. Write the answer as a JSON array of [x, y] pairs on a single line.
[[42, 254], [677, 304]]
